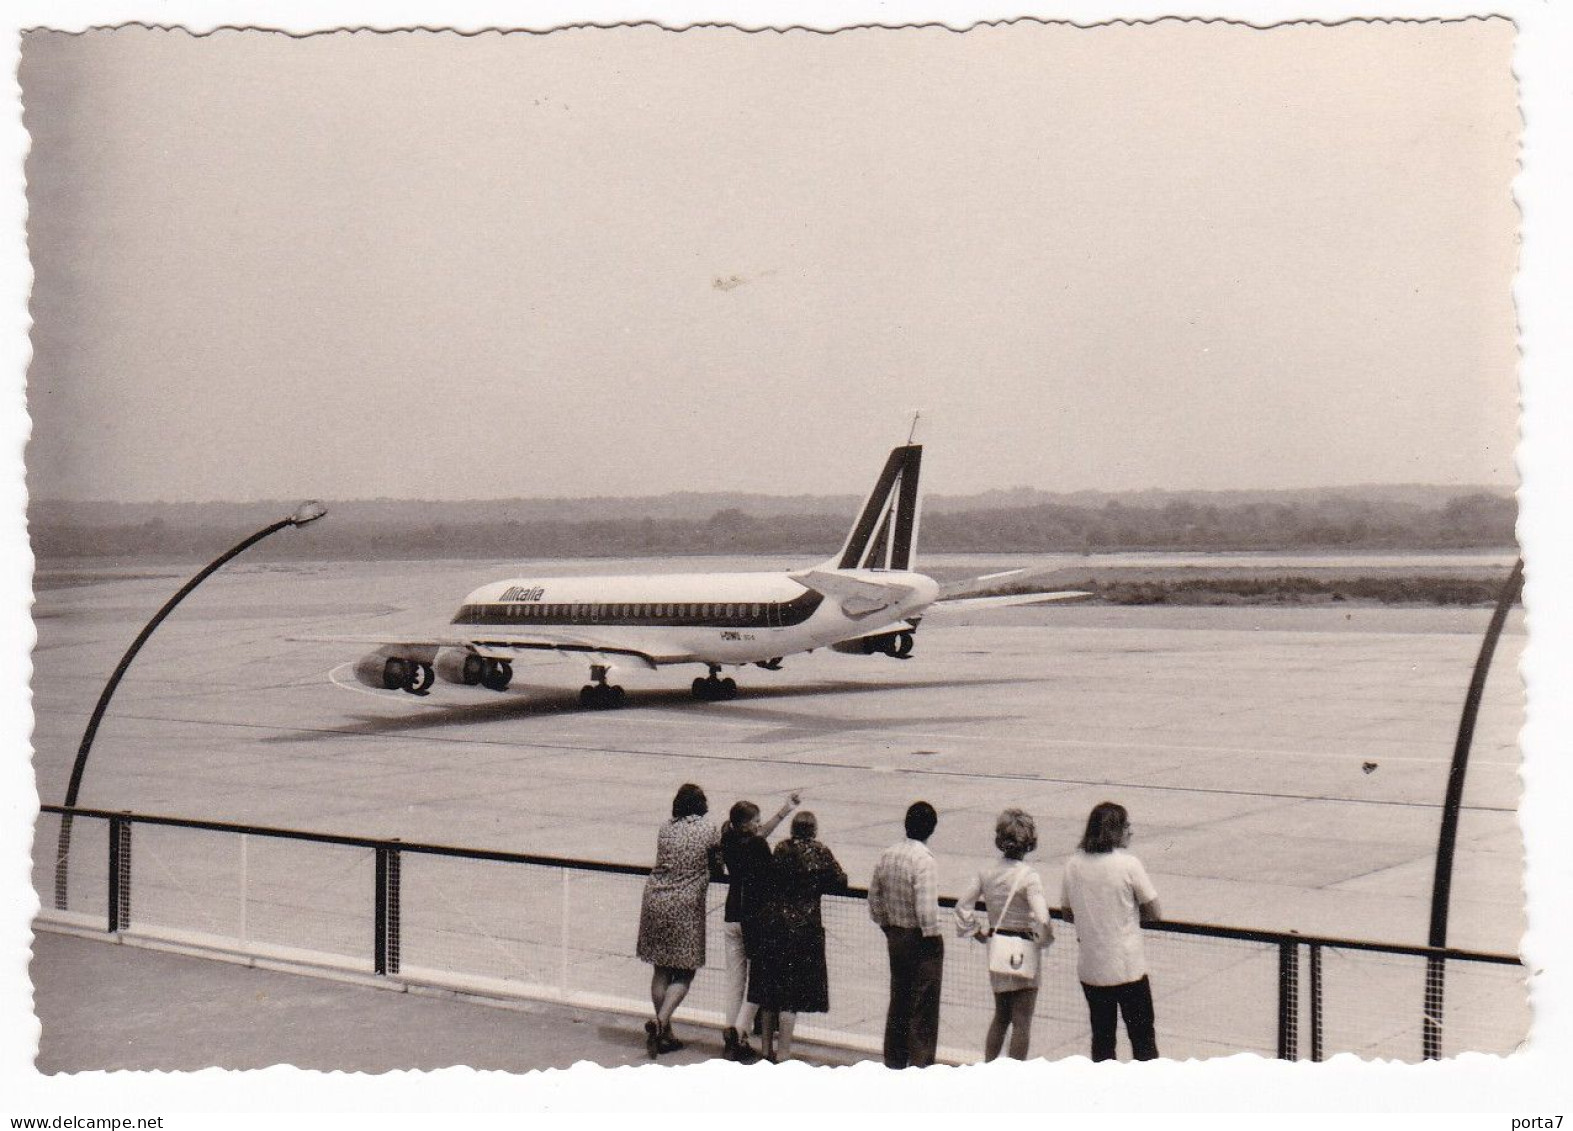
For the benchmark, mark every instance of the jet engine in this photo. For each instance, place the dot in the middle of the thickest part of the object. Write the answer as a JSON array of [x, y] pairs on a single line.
[[456, 665], [895, 644], [396, 669]]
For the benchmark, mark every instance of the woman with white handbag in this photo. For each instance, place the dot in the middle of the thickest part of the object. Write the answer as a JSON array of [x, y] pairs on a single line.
[[1016, 929]]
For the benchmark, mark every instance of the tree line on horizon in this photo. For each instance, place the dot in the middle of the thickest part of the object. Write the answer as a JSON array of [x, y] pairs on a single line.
[[1296, 521]]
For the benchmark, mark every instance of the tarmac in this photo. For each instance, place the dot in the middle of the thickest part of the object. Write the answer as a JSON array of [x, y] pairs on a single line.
[[109, 1006], [1284, 767]]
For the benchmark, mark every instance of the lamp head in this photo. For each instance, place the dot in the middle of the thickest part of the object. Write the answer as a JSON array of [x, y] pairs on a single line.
[[309, 511]]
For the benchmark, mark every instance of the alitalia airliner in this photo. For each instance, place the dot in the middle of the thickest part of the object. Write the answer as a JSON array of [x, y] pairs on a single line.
[[866, 600]]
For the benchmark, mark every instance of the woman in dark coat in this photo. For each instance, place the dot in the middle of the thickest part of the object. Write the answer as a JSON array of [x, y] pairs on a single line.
[[788, 976]]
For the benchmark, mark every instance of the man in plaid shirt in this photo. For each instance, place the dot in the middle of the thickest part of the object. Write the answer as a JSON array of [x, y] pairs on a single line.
[[904, 900]]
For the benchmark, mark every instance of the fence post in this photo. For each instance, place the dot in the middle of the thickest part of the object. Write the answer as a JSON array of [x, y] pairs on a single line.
[[112, 915], [63, 863], [379, 914], [392, 931], [1316, 1002], [1431, 1023], [1288, 995], [119, 910]]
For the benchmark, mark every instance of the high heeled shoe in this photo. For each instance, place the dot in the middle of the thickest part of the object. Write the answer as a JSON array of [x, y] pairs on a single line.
[[666, 1042]]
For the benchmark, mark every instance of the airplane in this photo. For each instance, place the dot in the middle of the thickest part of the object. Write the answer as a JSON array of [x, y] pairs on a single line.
[[866, 600]]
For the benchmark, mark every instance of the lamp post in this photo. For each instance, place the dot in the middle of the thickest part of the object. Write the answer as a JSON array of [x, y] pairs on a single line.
[[1442, 882], [307, 512]]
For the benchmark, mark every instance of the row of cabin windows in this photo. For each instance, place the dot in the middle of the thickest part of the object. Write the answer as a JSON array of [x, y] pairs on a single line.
[[723, 611]]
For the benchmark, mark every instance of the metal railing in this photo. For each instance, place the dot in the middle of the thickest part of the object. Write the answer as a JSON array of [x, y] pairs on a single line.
[[520, 925]]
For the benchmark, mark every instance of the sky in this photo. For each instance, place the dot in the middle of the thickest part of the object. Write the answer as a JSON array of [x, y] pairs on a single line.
[[630, 262]]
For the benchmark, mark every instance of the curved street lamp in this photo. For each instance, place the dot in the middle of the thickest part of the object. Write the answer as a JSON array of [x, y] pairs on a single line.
[[307, 512], [1442, 880]]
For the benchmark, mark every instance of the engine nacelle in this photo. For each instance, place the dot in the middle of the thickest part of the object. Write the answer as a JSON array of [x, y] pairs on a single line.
[[455, 665], [897, 644], [389, 667]]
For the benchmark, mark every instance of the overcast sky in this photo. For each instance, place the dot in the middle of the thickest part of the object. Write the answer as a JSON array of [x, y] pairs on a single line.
[[628, 262]]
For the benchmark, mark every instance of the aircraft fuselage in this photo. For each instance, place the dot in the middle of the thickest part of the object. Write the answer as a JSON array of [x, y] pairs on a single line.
[[718, 618]]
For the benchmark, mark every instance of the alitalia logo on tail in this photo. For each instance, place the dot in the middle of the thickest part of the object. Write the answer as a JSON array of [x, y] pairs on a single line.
[[885, 535]]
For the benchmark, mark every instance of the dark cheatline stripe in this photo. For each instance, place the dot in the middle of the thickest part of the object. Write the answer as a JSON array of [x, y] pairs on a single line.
[[686, 614]]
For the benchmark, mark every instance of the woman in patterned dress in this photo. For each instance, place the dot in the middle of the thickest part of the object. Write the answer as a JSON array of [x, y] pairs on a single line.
[[789, 975], [672, 913]]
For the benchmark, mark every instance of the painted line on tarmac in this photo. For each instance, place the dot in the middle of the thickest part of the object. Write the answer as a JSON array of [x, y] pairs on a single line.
[[558, 748], [399, 697], [1174, 747]]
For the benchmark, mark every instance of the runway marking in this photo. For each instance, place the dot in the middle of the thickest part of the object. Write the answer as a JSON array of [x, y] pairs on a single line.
[[1178, 747], [917, 771], [398, 697]]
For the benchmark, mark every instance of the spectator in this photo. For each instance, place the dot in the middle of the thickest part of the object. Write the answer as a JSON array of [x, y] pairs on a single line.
[[903, 899], [1108, 896], [1012, 893], [789, 976], [747, 857], [672, 912]]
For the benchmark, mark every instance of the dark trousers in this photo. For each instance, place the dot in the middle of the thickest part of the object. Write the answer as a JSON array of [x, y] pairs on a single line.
[[912, 1023], [1134, 1001]]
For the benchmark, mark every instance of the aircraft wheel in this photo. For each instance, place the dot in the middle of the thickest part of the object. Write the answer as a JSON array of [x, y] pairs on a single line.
[[395, 673], [728, 688], [903, 646], [617, 696], [588, 696], [701, 688], [474, 670]]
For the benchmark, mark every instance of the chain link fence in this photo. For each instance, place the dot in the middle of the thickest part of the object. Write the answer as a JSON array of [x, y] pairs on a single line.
[[511, 925]]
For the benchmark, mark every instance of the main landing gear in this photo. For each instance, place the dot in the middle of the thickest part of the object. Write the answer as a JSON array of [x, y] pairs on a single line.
[[600, 693], [713, 687]]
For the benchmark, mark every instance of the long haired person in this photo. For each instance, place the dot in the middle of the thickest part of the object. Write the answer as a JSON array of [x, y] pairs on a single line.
[[1015, 907], [1108, 896]]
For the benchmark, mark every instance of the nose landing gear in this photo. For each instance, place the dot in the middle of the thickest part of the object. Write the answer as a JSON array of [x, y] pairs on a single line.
[[713, 688], [600, 694]]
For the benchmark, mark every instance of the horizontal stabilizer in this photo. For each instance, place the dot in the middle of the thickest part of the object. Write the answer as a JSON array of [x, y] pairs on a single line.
[[858, 596], [969, 604]]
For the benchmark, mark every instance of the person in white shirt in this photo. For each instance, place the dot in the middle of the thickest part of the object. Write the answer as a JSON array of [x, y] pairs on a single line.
[[1012, 894], [1107, 895]]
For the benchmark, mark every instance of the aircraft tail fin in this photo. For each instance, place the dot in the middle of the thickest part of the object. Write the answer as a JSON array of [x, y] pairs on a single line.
[[885, 535]]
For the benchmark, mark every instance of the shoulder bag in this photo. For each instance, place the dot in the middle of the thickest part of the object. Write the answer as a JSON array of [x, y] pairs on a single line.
[[1010, 955]]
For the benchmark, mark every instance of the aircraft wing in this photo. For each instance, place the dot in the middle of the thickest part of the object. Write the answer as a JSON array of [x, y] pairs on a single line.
[[972, 604], [514, 646]]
